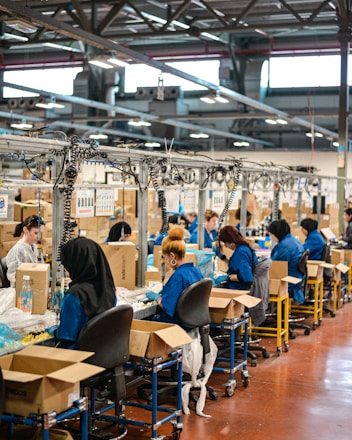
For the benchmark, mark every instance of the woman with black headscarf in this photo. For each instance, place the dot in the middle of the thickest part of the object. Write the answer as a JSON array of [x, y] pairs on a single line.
[[287, 248], [120, 231], [314, 241], [91, 290]]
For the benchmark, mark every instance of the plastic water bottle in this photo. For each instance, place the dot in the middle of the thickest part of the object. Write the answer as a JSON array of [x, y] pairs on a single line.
[[25, 299]]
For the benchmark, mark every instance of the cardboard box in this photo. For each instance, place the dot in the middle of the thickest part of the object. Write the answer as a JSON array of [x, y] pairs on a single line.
[[6, 246], [99, 236], [122, 259], [41, 379], [337, 256], [94, 223], [279, 278], [328, 234], [315, 269], [22, 211], [151, 339], [6, 231], [228, 303], [347, 255], [39, 274]]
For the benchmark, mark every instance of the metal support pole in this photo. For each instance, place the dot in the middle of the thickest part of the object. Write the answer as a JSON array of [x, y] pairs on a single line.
[[201, 210], [243, 215], [142, 223]]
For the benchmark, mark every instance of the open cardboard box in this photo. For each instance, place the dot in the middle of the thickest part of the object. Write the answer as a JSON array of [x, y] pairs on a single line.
[[279, 278], [228, 303], [152, 339], [316, 269], [337, 256], [41, 379]]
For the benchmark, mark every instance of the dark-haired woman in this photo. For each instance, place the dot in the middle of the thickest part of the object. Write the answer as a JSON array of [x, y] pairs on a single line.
[[91, 290], [242, 261], [347, 236], [120, 231], [25, 250], [287, 248]]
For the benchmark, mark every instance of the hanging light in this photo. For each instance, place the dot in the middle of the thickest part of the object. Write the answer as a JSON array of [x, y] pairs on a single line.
[[199, 135], [21, 125], [107, 61], [152, 144], [139, 123], [48, 103], [98, 136], [214, 98]]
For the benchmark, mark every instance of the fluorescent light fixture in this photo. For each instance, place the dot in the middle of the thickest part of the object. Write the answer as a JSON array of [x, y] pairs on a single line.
[[139, 123], [319, 135], [316, 134], [107, 61], [241, 144], [21, 125], [270, 121], [48, 104], [21, 25], [98, 136], [152, 144], [281, 121], [335, 144], [309, 134], [199, 135], [213, 98]]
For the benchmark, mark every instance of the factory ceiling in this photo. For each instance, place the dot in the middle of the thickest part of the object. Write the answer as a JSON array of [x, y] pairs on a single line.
[[238, 33]]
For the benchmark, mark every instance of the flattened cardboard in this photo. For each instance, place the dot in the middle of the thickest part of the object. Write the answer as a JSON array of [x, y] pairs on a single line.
[[342, 268], [152, 339], [328, 233]]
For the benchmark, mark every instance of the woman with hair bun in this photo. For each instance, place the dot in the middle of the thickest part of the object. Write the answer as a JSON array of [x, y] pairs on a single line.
[[173, 249]]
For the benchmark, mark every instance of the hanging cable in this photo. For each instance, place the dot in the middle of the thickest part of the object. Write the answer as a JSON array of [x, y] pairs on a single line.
[[160, 192]]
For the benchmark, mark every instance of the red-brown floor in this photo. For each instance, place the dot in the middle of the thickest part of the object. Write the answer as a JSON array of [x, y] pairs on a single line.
[[305, 394]]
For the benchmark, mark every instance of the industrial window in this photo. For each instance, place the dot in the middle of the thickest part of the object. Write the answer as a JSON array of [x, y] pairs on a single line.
[[303, 71], [58, 81], [140, 75]]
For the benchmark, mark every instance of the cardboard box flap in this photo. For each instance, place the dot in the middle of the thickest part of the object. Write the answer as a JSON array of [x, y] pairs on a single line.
[[328, 233], [75, 372], [19, 376], [321, 263], [292, 280], [278, 269], [342, 267], [174, 336], [248, 300], [218, 303], [138, 343], [60, 354]]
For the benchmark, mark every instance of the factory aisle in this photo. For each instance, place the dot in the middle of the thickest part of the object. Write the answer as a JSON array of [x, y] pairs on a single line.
[[303, 394]]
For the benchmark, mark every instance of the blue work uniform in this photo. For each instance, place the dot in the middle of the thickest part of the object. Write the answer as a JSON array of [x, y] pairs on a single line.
[[193, 225], [290, 249], [184, 276], [240, 263], [315, 243], [209, 237]]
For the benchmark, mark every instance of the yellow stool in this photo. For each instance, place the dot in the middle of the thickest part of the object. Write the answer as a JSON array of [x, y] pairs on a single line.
[[314, 308], [281, 329]]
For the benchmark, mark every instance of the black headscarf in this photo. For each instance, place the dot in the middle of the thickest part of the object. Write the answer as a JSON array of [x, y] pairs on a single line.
[[89, 270], [309, 224], [116, 230], [280, 228]]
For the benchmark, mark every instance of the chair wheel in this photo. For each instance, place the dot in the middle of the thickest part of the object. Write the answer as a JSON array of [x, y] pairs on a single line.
[[307, 331], [213, 395], [266, 355]]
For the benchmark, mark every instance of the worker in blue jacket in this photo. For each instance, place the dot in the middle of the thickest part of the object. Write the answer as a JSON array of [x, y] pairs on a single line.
[[287, 248], [314, 241]]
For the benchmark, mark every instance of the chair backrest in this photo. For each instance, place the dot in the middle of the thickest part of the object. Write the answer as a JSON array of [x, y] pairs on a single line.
[[192, 307], [326, 254], [302, 268], [4, 282], [108, 335]]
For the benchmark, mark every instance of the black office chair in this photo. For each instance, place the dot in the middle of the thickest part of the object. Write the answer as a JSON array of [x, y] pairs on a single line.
[[4, 282], [295, 321], [328, 275], [192, 310], [107, 335]]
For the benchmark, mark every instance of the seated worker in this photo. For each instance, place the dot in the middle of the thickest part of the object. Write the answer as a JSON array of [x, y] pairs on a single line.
[[120, 231], [248, 220], [243, 260], [192, 218], [347, 235], [261, 229], [287, 248], [174, 220], [173, 249], [90, 292], [315, 241], [210, 232], [25, 250]]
